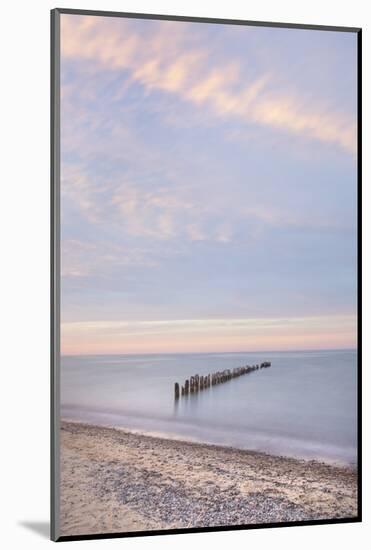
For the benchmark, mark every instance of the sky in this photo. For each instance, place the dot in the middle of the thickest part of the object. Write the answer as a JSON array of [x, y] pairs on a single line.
[[208, 187]]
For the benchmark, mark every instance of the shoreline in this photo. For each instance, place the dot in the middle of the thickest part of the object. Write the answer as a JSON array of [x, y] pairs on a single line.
[[164, 436], [113, 480]]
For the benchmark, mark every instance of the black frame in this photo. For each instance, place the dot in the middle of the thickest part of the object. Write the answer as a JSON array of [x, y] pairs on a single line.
[[55, 269]]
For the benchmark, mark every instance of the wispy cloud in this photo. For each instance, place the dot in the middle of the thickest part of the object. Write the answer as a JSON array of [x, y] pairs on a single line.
[[208, 192], [175, 325], [150, 213], [184, 69], [81, 259], [208, 334]]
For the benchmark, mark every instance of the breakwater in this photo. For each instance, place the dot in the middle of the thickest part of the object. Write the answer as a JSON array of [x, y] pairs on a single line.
[[198, 383]]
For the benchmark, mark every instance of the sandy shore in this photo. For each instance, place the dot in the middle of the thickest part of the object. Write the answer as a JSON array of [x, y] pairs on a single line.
[[115, 481]]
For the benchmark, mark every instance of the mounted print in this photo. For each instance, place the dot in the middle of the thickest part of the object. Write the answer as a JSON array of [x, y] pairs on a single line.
[[205, 274]]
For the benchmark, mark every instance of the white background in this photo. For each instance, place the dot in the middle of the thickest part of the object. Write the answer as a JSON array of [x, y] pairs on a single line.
[[24, 272]]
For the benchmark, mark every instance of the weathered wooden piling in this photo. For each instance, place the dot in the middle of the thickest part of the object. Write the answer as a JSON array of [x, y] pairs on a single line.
[[198, 382], [176, 390]]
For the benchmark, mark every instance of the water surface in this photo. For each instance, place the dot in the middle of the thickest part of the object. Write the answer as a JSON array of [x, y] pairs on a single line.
[[304, 405]]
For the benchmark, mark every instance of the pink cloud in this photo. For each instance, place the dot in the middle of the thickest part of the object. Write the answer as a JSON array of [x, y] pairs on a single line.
[[170, 63]]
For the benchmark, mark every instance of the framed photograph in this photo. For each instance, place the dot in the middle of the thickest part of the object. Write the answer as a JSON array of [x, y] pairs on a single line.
[[206, 274]]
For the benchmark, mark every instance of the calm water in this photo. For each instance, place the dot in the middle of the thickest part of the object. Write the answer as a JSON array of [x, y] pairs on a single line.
[[304, 405]]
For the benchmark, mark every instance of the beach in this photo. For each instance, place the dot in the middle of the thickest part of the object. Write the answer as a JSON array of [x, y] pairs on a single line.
[[114, 480]]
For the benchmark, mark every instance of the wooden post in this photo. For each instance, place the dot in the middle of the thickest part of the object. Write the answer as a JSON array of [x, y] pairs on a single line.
[[201, 382]]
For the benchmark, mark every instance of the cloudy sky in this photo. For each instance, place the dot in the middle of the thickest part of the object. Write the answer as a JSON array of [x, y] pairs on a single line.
[[208, 187]]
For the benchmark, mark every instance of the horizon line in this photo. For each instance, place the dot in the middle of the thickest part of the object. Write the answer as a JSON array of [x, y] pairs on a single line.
[[207, 352]]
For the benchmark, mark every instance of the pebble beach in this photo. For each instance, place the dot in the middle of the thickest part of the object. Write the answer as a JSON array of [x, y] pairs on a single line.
[[118, 481]]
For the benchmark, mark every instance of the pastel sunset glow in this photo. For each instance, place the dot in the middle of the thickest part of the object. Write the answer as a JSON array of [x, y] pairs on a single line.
[[208, 187]]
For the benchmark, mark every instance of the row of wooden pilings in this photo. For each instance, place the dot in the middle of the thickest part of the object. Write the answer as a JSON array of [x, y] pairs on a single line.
[[198, 383]]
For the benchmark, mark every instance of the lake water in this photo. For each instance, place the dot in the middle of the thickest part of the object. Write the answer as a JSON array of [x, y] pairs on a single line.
[[304, 405]]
